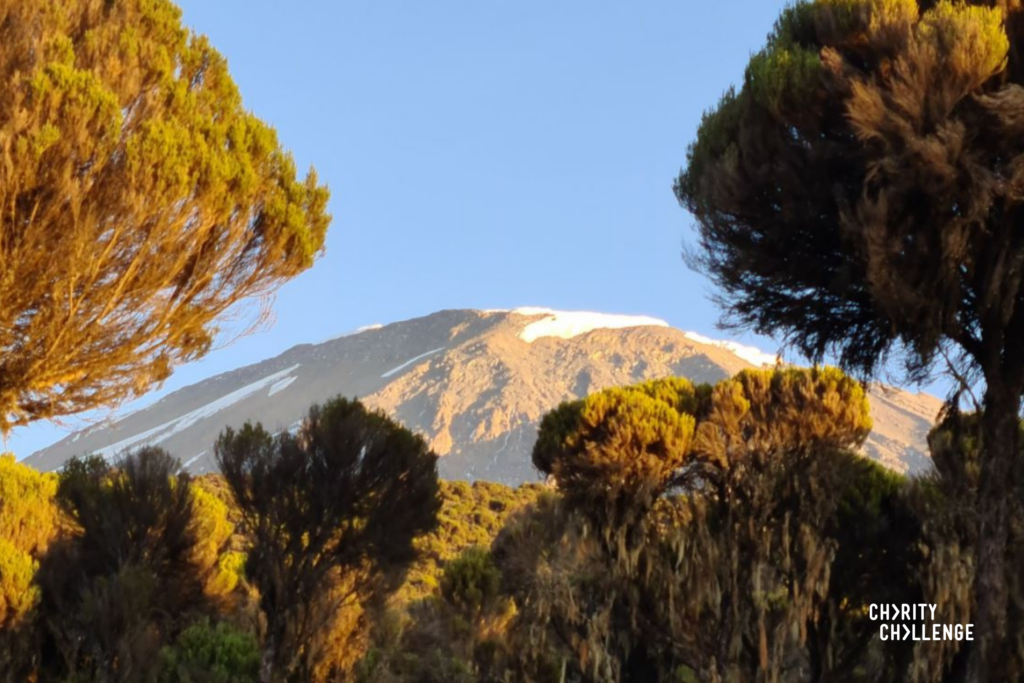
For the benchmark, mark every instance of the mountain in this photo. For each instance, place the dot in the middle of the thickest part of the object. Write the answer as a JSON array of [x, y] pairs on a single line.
[[475, 383]]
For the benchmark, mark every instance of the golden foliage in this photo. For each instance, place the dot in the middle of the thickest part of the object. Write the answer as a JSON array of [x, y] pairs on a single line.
[[18, 592], [470, 515], [218, 565], [29, 522], [29, 517], [762, 411], [621, 576], [139, 200], [615, 451]]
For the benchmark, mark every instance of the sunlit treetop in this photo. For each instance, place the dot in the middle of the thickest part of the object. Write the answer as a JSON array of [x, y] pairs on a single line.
[[139, 201], [615, 452]]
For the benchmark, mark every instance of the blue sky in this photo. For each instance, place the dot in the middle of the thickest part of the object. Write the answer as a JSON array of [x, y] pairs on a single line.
[[481, 154]]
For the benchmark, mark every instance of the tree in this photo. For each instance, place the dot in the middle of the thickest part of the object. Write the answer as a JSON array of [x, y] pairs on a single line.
[[331, 512], [878, 560], [121, 582], [213, 556], [737, 527], [945, 504], [29, 517], [615, 452], [860, 195], [207, 653], [29, 523], [140, 202]]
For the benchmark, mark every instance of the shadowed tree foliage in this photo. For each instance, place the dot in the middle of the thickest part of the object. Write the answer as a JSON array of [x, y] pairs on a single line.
[[724, 568], [120, 583], [878, 560], [861, 193], [573, 608], [331, 512], [139, 200], [945, 504]]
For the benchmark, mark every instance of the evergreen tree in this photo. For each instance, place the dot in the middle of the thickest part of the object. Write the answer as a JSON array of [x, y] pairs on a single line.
[[860, 195], [140, 200], [712, 553], [123, 580], [331, 513]]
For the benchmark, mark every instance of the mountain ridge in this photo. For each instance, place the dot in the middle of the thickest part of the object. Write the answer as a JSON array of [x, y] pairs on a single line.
[[474, 383]]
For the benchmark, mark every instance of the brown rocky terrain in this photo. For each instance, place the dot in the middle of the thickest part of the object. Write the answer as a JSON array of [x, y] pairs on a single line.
[[475, 383]]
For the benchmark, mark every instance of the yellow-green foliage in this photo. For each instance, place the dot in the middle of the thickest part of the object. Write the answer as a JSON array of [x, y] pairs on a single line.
[[18, 594], [619, 446], [787, 76], [471, 515], [616, 451], [29, 518], [971, 39], [220, 567], [850, 21], [29, 521], [781, 74]]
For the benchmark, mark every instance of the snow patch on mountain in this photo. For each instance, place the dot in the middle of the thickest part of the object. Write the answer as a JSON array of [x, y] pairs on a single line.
[[282, 385], [569, 324], [168, 429], [184, 465], [751, 354], [409, 362]]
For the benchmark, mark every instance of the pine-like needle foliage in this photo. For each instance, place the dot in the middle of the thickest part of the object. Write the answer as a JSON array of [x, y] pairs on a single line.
[[700, 530], [139, 201], [332, 513], [862, 192]]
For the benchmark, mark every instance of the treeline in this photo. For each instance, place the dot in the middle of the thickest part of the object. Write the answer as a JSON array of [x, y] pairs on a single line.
[[686, 533]]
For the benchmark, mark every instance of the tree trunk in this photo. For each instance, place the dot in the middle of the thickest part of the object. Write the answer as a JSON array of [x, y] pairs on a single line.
[[998, 454], [267, 658]]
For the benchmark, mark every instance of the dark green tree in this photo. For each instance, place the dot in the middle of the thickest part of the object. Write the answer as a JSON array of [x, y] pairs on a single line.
[[119, 585], [211, 653], [331, 513], [945, 504], [878, 559], [860, 195]]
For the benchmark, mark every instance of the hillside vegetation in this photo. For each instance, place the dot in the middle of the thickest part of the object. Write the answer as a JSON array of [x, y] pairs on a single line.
[[687, 532], [859, 197]]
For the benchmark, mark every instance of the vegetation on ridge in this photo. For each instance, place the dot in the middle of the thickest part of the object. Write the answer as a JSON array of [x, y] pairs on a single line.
[[858, 196], [686, 533]]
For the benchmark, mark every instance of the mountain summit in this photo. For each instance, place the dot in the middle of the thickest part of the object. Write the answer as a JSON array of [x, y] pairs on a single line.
[[474, 383]]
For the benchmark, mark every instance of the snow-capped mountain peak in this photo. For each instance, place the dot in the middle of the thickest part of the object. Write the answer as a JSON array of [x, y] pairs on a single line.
[[474, 383]]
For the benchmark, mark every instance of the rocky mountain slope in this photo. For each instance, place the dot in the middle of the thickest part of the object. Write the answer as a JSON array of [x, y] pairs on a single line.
[[475, 383]]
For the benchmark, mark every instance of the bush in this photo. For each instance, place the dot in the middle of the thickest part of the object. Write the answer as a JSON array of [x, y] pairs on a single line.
[[206, 653], [471, 582]]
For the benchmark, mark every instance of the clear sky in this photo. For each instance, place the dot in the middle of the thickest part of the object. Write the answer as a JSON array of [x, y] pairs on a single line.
[[481, 153]]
